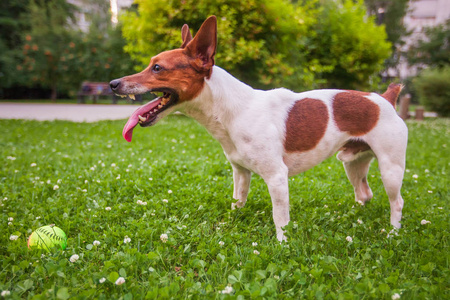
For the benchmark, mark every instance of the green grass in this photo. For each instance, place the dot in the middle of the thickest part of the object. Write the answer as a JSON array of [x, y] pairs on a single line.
[[178, 161]]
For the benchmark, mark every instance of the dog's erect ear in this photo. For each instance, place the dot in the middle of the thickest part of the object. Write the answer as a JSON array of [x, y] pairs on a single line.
[[185, 35], [203, 45]]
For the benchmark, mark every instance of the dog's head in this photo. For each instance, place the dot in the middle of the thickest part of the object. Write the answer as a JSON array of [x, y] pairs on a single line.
[[179, 74]]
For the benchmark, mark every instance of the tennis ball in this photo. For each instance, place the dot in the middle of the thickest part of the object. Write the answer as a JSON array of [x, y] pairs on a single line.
[[47, 237]]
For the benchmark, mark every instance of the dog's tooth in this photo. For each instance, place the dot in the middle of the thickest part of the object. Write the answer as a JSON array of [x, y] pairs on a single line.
[[131, 97], [142, 118], [123, 96]]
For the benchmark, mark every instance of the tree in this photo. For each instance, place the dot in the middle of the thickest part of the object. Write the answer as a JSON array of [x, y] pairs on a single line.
[[11, 28], [433, 49], [348, 45], [268, 43], [46, 42], [59, 56]]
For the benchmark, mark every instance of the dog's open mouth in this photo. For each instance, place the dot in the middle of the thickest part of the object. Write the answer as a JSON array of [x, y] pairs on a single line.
[[147, 114]]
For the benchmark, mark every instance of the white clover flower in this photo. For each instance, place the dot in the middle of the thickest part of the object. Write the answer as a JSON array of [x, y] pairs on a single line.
[[349, 239], [120, 281], [113, 165], [10, 223], [440, 207], [48, 181], [118, 177], [11, 158], [126, 239], [139, 202], [164, 238], [424, 222], [221, 243], [5, 293], [165, 200], [325, 206], [227, 290], [55, 187], [396, 296], [392, 233], [10, 219], [430, 192], [383, 230], [13, 237], [254, 244], [256, 252], [169, 191], [360, 221], [33, 165], [101, 280], [96, 243], [74, 258], [415, 176], [108, 208]]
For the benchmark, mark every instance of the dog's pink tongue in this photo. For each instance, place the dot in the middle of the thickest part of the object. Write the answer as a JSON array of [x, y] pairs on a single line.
[[134, 119]]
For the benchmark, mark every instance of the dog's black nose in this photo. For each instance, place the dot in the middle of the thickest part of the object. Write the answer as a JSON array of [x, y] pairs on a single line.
[[114, 84]]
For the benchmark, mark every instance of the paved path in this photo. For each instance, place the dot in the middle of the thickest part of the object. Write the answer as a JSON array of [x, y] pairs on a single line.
[[69, 112]]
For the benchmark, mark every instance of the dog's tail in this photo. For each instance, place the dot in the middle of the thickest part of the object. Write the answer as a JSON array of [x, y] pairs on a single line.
[[392, 93]]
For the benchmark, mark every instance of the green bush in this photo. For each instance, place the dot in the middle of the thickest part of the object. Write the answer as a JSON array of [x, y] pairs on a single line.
[[433, 88], [269, 43]]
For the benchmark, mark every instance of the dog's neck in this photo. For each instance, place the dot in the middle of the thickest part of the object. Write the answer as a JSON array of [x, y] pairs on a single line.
[[222, 98]]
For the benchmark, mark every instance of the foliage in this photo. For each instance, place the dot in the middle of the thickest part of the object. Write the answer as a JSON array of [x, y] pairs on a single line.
[[268, 43], [48, 38], [391, 14], [348, 45], [433, 87], [254, 36], [60, 56], [11, 27], [68, 174], [434, 49]]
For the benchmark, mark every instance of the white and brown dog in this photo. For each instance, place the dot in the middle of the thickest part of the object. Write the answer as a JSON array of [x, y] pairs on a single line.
[[276, 133]]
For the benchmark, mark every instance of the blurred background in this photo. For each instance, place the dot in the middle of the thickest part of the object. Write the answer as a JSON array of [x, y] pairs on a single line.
[[49, 48]]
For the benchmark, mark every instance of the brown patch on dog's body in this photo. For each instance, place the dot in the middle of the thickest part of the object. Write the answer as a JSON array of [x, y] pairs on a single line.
[[354, 113], [392, 93], [306, 125]]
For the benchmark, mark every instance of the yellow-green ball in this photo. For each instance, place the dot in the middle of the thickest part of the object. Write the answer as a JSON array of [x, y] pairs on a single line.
[[47, 237]]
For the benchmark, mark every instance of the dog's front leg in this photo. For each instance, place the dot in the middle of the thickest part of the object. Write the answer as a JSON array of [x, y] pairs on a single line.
[[279, 192], [241, 181]]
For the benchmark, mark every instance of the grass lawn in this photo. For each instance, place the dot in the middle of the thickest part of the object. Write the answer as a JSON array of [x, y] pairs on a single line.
[[174, 179]]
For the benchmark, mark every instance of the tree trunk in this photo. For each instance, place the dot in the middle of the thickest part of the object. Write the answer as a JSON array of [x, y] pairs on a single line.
[[54, 94]]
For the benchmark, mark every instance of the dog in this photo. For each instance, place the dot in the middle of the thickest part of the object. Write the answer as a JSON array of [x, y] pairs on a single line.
[[275, 133]]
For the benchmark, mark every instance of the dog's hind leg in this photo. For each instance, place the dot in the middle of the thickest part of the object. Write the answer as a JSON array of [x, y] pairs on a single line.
[[392, 175], [356, 169], [391, 153], [241, 182]]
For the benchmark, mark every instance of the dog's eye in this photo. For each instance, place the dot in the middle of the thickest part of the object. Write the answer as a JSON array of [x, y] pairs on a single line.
[[156, 68]]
